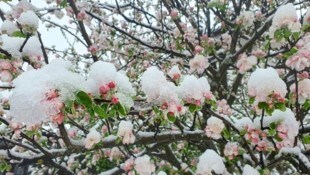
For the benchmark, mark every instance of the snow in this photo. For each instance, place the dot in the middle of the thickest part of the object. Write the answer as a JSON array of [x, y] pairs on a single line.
[[248, 170], [29, 22], [210, 161], [295, 151]]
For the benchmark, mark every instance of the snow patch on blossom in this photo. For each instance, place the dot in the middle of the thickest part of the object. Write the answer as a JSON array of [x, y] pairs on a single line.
[[125, 131], [290, 126], [103, 77], [248, 170], [8, 27], [32, 100], [214, 127], [29, 22], [194, 90], [210, 161], [144, 166], [32, 48], [92, 138], [151, 81], [285, 17], [264, 82]]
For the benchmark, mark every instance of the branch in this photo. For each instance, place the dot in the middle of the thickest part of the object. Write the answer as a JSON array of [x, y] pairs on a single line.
[[82, 28]]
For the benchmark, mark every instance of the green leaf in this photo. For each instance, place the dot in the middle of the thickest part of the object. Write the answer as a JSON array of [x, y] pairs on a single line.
[[101, 112], [272, 132], [306, 139], [226, 134], [262, 105], [84, 99], [280, 106], [192, 108], [287, 33], [269, 111], [278, 138], [251, 100], [19, 34], [278, 35], [171, 117], [121, 109], [306, 105], [272, 125], [63, 4]]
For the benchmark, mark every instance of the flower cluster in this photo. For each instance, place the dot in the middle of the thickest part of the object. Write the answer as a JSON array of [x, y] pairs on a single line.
[[214, 128]]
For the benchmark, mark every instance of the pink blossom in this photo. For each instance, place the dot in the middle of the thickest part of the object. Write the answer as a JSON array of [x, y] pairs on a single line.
[[198, 49], [93, 49], [104, 89], [144, 166], [114, 100], [125, 131], [111, 85], [92, 138], [5, 65], [223, 107], [231, 150], [262, 146], [199, 63], [246, 63], [58, 118], [214, 127], [6, 76], [175, 73], [300, 60], [174, 13], [129, 164], [81, 15]]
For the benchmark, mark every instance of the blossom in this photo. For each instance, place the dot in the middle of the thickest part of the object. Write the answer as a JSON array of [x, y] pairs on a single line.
[[210, 161], [264, 82], [226, 41], [199, 63], [303, 90], [246, 19], [6, 76], [175, 73], [300, 60], [306, 20], [214, 127], [144, 166], [92, 138], [231, 150], [223, 107], [125, 131], [245, 63]]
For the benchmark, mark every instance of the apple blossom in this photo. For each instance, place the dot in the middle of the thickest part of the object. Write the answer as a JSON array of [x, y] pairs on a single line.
[[125, 131], [92, 138], [144, 166]]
